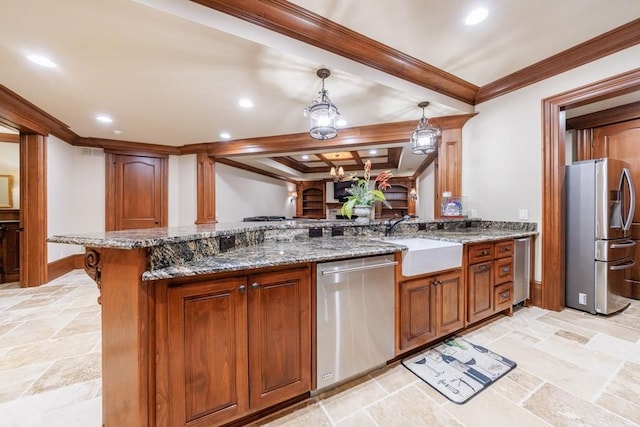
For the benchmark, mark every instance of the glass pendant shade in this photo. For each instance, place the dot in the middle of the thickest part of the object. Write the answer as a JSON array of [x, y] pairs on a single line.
[[323, 114], [424, 139], [322, 120]]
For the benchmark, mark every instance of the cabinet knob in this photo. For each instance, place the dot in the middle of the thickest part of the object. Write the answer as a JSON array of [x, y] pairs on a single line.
[[504, 295], [506, 269], [482, 268], [483, 253], [255, 286], [242, 289], [435, 283]]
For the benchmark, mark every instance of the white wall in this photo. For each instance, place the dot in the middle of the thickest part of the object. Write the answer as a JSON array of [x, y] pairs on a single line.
[[10, 165], [426, 193], [240, 194], [502, 148], [75, 193]]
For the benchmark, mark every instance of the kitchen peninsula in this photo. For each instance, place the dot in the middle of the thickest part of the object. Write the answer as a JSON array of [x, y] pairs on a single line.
[[204, 325]]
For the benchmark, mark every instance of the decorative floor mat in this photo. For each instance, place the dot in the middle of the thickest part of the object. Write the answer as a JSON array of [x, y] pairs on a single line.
[[458, 369]]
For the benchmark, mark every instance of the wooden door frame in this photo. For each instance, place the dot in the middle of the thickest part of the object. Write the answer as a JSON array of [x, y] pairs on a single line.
[[553, 163]]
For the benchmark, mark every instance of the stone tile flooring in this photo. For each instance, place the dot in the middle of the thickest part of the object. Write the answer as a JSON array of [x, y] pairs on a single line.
[[574, 369]]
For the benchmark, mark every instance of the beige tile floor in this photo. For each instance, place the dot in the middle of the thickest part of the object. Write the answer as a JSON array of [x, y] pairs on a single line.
[[574, 369]]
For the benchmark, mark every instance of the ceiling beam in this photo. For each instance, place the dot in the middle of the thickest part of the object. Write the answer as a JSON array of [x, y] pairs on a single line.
[[242, 166], [386, 133], [296, 22], [9, 137]]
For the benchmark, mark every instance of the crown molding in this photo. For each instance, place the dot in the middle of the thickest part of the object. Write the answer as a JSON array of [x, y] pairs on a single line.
[[607, 117], [20, 114], [619, 38]]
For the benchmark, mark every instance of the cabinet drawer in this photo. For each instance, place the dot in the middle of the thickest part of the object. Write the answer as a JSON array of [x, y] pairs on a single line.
[[480, 253], [504, 249], [503, 296], [503, 270]]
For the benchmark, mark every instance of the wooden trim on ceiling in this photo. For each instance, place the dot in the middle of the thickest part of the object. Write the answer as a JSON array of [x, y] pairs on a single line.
[[127, 147], [553, 165], [248, 168], [606, 117], [18, 113], [10, 137], [424, 165], [620, 38], [347, 138], [296, 22]]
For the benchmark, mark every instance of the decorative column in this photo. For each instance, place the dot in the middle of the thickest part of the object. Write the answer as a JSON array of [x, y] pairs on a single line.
[[206, 189]]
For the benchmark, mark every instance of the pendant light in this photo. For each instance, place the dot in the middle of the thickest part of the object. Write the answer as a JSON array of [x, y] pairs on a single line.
[[322, 113], [424, 139]]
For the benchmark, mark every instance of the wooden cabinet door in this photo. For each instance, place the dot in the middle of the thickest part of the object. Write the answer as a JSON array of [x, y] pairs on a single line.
[[208, 381], [417, 312], [480, 291], [10, 252], [449, 302], [279, 336], [136, 192]]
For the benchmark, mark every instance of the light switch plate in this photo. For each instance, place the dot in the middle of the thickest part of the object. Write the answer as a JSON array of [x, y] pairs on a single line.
[[523, 214]]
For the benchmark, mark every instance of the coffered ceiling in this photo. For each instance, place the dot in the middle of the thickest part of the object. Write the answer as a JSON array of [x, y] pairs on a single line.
[[171, 72]]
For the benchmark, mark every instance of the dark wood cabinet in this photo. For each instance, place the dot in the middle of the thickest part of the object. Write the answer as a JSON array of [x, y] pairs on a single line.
[[208, 378], [430, 307], [489, 279], [311, 200], [238, 345], [399, 197], [9, 251]]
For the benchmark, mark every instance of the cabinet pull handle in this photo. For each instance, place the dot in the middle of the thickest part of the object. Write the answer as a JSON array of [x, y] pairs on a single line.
[[436, 282], [504, 295], [506, 249], [506, 269], [242, 289], [255, 286], [483, 253], [482, 268]]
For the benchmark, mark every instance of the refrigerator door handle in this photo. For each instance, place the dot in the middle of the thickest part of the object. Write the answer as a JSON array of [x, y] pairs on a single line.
[[624, 266], [632, 196], [626, 244]]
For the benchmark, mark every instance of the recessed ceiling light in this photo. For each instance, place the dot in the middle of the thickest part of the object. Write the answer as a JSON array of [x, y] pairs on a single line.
[[476, 16], [42, 60], [305, 157], [245, 103], [341, 122], [117, 131], [225, 135], [373, 151], [104, 118]]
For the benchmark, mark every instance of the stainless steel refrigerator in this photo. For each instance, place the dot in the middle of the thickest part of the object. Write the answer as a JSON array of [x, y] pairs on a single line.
[[600, 202]]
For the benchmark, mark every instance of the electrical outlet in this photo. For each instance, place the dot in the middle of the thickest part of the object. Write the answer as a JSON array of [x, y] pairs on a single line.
[[422, 226], [523, 214], [440, 226], [337, 231], [582, 298], [315, 232], [227, 243]]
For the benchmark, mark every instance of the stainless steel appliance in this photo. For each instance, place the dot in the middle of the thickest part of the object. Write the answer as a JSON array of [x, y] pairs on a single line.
[[521, 269], [355, 317], [600, 206]]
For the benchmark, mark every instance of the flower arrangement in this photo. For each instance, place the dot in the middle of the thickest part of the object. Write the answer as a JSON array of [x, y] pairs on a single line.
[[362, 195]]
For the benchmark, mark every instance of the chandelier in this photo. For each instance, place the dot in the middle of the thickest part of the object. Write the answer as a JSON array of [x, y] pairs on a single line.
[[322, 113], [424, 139]]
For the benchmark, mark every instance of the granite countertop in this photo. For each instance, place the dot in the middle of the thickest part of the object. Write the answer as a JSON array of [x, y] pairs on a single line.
[[273, 253], [149, 237]]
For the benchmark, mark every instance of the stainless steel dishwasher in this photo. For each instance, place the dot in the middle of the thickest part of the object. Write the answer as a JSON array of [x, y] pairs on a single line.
[[355, 317]]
